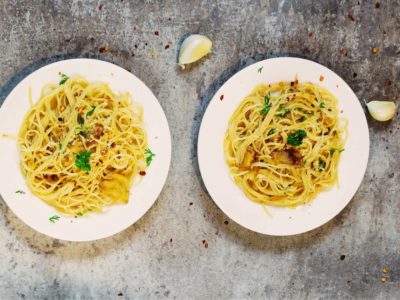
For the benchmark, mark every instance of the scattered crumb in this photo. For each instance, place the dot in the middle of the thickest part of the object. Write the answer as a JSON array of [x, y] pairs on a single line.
[[226, 222], [374, 50], [100, 7], [321, 78], [169, 19], [156, 33], [377, 5], [342, 52], [170, 240], [206, 245], [310, 34], [387, 83], [204, 241], [120, 294], [166, 47], [354, 75], [191, 203], [104, 49], [153, 54], [221, 97], [337, 86], [384, 279], [91, 39], [136, 46], [341, 111], [290, 218], [351, 18], [342, 257], [142, 173], [67, 40], [385, 270]]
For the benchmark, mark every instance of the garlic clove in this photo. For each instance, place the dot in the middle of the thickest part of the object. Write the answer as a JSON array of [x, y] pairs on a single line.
[[382, 110], [193, 48]]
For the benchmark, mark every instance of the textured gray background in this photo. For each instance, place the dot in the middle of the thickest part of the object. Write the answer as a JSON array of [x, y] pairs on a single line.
[[163, 256]]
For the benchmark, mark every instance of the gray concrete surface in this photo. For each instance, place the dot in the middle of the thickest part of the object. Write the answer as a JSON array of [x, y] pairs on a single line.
[[163, 255]]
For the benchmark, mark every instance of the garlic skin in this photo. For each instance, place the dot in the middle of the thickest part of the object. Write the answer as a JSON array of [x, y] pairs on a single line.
[[382, 110], [193, 48]]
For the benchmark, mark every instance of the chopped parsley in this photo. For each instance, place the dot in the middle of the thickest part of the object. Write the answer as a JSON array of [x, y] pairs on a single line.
[[82, 161], [302, 119], [89, 113], [271, 131], [267, 105], [259, 70], [296, 138], [81, 129], [54, 218], [80, 119], [64, 78], [322, 105], [19, 192], [149, 156], [284, 111], [322, 166], [332, 150], [79, 214]]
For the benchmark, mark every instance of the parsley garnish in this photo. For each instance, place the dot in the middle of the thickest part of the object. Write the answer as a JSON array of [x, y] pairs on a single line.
[[302, 119], [82, 161], [79, 214], [271, 131], [332, 150], [64, 78], [259, 70], [54, 218], [81, 129], [267, 105], [80, 119], [149, 157], [296, 138], [322, 165], [322, 105], [19, 192], [89, 113]]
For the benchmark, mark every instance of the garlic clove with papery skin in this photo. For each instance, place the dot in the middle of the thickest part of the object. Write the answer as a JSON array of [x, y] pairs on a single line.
[[382, 110], [193, 48]]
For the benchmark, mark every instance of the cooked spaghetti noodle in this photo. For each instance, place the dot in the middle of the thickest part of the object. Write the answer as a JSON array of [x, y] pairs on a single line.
[[82, 146], [283, 143]]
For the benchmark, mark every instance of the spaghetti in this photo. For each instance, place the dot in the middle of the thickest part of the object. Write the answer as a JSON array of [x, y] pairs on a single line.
[[82, 146], [283, 143]]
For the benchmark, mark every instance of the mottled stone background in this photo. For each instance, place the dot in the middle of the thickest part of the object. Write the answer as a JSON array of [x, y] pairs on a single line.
[[163, 255]]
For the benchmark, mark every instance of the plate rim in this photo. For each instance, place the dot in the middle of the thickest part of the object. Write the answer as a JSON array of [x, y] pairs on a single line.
[[201, 134]]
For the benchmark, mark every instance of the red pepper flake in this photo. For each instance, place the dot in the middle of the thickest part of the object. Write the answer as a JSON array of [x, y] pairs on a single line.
[[101, 7], [206, 245], [351, 18], [342, 257], [191, 203], [156, 33], [166, 47], [374, 50], [226, 222], [377, 5], [221, 97], [103, 49], [342, 52], [120, 294], [321, 78], [142, 173], [310, 34], [67, 40], [387, 83]]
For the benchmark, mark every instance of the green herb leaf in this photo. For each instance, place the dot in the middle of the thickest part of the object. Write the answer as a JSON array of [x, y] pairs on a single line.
[[64, 78], [322, 165], [89, 113], [80, 119], [81, 129], [149, 156], [302, 119], [259, 70], [267, 105], [79, 214], [332, 150], [19, 192], [54, 218], [82, 161], [322, 105], [271, 131], [296, 138], [282, 115]]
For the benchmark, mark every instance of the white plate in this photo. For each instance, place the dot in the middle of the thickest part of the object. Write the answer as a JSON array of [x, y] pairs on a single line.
[[230, 198], [35, 212]]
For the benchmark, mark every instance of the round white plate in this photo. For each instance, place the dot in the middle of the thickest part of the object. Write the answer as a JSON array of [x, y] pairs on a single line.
[[230, 198], [35, 212]]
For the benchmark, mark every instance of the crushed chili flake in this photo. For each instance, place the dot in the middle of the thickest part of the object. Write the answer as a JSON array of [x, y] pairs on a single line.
[[206, 245], [101, 7], [104, 49], [226, 222], [191, 203], [377, 5], [120, 294], [221, 97], [156, 33], [342, 52], [342, 257], [142, 173], [321, 78], [166, 47], [351, 18], [310, 34], [67, 40], [374, 50], [387, 83]]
